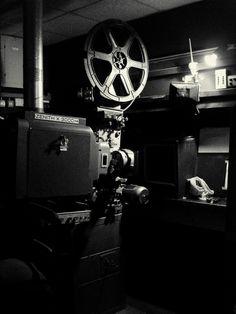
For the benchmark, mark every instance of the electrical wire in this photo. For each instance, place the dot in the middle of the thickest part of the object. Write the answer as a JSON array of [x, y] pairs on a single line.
[[129, 105]]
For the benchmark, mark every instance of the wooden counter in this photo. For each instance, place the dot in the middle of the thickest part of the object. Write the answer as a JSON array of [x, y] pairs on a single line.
[[195, 213]]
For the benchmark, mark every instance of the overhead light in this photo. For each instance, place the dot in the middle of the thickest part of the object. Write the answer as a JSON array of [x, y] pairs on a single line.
[[210, 59]]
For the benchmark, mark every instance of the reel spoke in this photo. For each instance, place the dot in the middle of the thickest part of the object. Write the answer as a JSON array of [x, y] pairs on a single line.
[[110, 38], [116, 62], [125, 78], [137, 64], [100, 55], [110, 79], [129, 43]]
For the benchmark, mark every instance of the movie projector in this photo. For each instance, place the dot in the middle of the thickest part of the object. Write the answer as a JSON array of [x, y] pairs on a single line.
[[78, 161]]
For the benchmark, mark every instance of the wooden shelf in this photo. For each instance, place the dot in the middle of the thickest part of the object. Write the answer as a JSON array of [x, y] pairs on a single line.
[[218, 92], [208, 100], [217, 105]]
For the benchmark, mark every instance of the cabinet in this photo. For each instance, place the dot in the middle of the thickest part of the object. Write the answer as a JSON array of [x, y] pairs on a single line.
[[85, 269], [11, 61], [98, 282]]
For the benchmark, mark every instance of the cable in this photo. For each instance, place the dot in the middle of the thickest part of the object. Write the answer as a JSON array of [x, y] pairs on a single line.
[[127, 107]]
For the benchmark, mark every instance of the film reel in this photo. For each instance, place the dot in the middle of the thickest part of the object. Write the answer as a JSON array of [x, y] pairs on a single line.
[[116, 61]]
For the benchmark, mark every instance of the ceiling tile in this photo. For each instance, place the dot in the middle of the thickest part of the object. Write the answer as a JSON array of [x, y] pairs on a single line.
[[116, 9], [59, 25], [68, 5], [69, 25], [50, 14], [166, 4], [12, 17]]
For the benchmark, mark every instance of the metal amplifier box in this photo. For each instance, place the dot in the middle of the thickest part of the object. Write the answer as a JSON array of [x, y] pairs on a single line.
[[48, 156]]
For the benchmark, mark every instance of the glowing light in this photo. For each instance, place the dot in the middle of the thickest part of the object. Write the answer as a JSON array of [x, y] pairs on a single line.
[[188, 78], [193, 68], [210, 60]]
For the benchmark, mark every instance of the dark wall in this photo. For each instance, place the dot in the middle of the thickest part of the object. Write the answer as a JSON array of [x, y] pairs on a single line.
[[65, 74], [208, 23]]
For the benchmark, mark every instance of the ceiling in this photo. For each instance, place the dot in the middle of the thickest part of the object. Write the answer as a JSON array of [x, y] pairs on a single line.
[[65, 19]]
